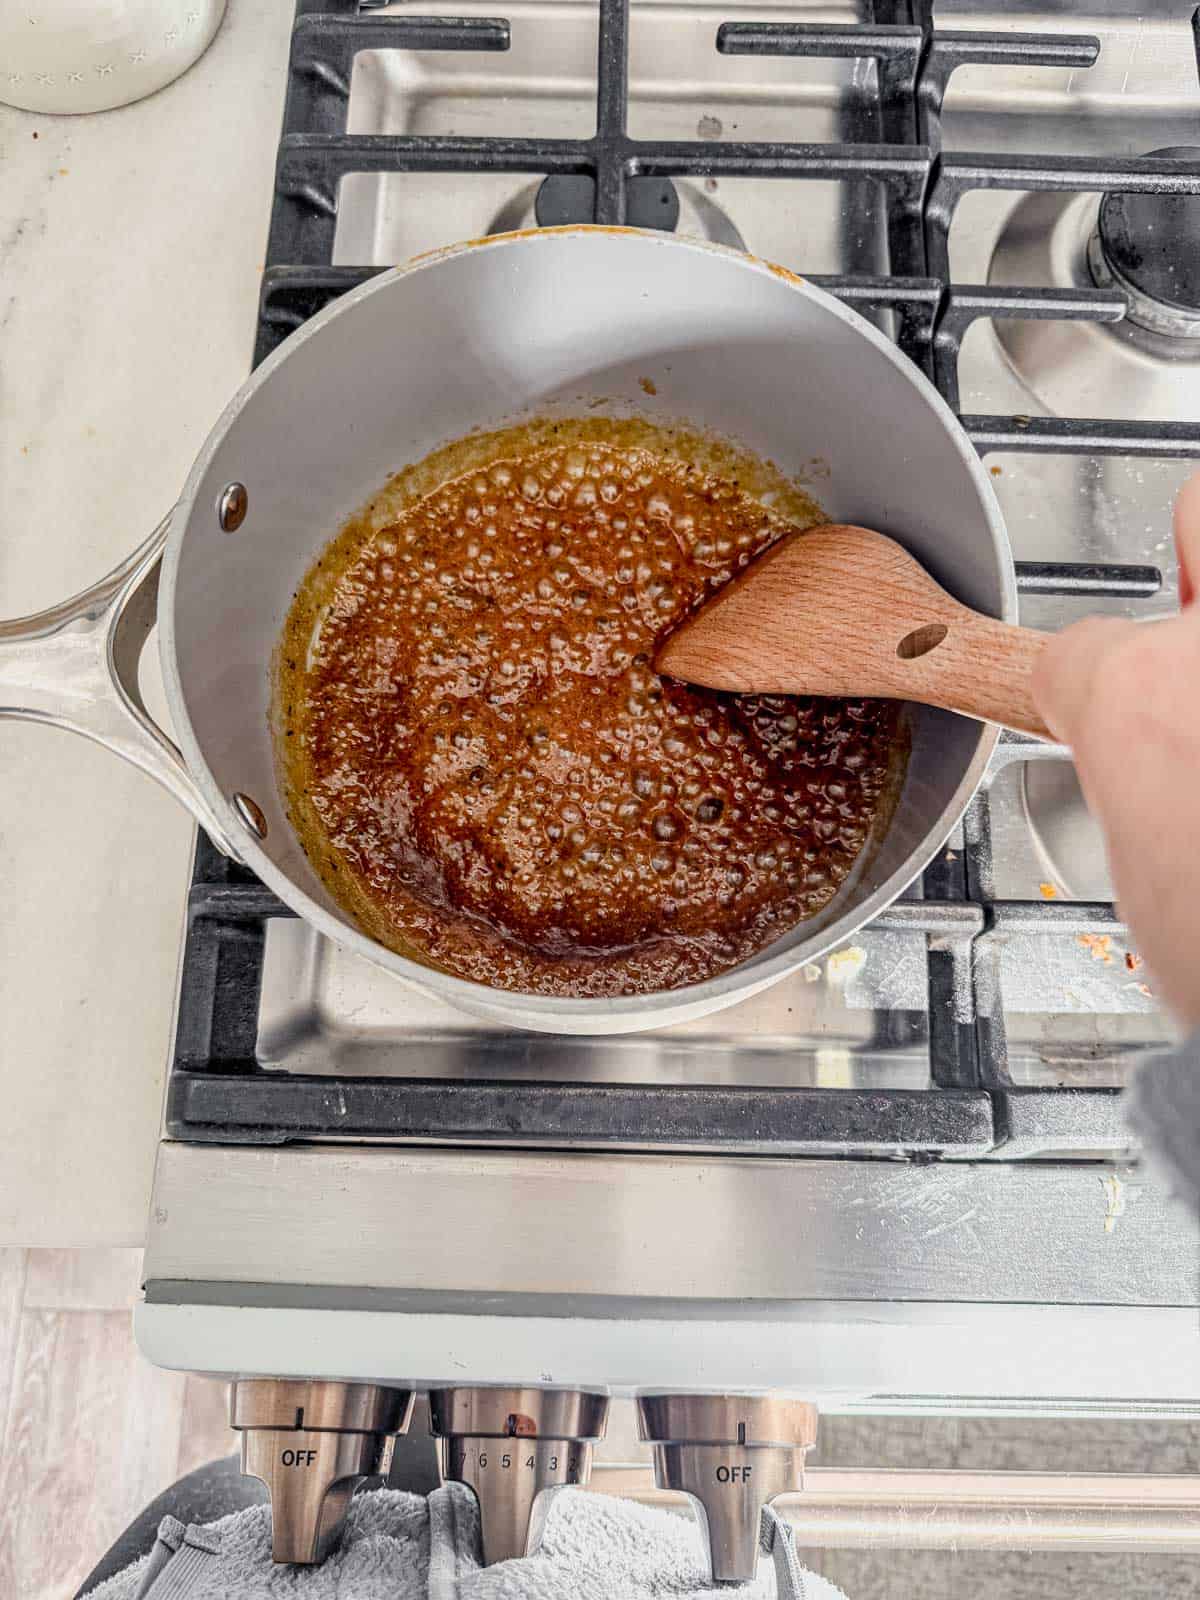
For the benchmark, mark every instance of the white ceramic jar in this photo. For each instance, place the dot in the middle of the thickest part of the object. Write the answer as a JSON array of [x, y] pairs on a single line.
[[91, 55]]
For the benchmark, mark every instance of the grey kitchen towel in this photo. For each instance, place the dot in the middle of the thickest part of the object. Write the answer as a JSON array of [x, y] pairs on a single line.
[[384, 1555], [404, 1547], [596, 1548]]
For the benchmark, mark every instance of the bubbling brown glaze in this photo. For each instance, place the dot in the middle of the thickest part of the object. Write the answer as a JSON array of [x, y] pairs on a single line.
[[487, 772]]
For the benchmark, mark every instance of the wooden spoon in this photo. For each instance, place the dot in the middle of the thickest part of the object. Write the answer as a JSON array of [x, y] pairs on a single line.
[[839, 610]]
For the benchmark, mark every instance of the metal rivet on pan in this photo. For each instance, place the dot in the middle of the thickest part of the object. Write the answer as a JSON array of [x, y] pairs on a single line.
[[232, 506], [251, 814]]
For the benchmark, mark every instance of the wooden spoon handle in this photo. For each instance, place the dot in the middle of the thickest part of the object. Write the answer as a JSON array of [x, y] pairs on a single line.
[[978, 666]]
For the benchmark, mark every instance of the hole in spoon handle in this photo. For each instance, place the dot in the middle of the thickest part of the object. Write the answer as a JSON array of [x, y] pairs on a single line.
[[921, 641]]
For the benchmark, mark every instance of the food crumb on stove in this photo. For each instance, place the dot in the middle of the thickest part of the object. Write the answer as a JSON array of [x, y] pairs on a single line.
[[647, 385], [844, 965], [810, 972], [1132, 960], [1049, 892], [995, 471], [1114, 1200], [1098, 946]]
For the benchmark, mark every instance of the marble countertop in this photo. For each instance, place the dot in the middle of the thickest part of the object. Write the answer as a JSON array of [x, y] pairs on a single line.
[[131, 249]]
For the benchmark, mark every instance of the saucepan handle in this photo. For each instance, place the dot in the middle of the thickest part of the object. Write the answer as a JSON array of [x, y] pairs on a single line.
[[1015, 749], [75, 666]]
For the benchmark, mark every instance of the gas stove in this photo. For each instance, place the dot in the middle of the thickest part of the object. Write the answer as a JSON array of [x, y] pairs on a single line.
[[898, 1181]]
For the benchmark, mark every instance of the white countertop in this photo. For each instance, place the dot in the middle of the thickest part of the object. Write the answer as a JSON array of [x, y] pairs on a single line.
[[131, 250]]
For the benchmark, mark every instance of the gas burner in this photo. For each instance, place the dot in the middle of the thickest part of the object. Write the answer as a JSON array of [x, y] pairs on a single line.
[[675, 205], [1144, 246], [1147, 247]]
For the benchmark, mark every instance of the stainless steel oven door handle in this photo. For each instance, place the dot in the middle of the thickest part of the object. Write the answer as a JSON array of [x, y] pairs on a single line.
[[75, 666]]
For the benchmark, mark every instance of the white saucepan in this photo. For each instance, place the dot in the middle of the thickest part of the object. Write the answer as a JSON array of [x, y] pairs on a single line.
[[478, 336]]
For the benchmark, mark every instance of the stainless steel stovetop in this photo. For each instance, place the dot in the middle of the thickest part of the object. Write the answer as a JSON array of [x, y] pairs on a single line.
[[1055, 1285], [1071, 1008]]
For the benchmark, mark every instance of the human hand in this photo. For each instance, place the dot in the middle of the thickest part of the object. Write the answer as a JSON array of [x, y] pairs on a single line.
[[1126, 697]]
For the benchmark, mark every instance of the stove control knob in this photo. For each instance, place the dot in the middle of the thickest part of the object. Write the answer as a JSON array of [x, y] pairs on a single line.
[[311, 1442], [731, 1455], [514, 1448]]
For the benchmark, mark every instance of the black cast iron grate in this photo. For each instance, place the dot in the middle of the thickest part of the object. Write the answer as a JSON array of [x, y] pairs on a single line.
[[217, 1089]]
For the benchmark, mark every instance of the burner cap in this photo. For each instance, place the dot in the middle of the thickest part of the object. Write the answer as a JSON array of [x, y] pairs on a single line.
[[681, 205], [567, 198], [1152, 241]]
